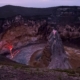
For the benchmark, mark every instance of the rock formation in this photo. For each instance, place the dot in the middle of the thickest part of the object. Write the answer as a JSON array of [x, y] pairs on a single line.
[[59, 58], [52, 56]]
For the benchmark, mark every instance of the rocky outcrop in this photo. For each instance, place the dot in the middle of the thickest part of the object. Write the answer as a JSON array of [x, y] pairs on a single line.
[[52, 55], [21, 32], [59, 59]]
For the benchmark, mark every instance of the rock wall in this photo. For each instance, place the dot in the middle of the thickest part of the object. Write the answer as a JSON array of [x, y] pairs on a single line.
[[42, 26]]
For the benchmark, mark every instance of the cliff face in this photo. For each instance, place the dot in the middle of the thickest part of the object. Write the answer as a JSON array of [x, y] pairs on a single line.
[[66, 19], [20, 32]]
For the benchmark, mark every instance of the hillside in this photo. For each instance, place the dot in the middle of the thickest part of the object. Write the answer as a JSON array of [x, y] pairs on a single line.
[[9, 11]]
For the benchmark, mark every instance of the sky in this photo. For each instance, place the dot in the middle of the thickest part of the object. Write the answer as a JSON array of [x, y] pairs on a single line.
[[40, 3]]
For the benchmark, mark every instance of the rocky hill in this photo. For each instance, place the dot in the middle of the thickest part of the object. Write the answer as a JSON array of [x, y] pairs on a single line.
[[65, 18], [9, 11]]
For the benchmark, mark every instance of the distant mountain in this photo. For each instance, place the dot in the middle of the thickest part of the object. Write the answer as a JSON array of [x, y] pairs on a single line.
[[9, 11]]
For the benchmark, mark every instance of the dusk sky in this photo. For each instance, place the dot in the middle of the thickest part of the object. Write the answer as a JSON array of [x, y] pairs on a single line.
[[40, 3]]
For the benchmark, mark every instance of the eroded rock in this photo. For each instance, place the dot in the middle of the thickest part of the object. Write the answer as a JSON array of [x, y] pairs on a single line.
[[59, 58]]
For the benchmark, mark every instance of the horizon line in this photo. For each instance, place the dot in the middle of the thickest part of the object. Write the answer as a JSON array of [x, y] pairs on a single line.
[[42, 7]]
